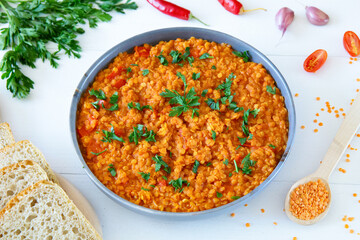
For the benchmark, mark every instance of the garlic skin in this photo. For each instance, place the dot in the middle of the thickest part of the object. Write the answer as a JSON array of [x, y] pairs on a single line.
[[284, 18], [316, 16]]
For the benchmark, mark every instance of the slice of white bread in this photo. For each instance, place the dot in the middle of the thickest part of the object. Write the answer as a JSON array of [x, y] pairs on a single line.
[[25, 150], [44, 211], [6, 136], [17, 177]]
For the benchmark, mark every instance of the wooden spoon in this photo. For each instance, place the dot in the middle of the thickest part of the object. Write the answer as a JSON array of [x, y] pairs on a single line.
[[332, 157]]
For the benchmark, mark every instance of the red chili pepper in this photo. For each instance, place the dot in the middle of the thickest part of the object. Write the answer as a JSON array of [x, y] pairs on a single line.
[[173, 10], [236, 7]]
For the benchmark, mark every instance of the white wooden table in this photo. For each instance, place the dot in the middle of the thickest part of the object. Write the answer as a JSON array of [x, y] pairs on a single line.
[[43, 118]]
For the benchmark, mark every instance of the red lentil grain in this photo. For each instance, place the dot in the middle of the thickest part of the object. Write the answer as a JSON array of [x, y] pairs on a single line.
[[346, 226], [232, 215], [262, 210], [316, 130], [247, 224]]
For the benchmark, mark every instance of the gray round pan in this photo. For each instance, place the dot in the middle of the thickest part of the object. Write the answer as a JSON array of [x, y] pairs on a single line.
[[152, 38]]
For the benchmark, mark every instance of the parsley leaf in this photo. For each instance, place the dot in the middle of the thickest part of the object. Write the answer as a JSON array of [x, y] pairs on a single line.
[[145, 72], [114, 98], [230, 174], [177, 184], [195, 76], [145, 189], [110, 135], [242, 140], [96, 104], [99, 94], [247, 163], [255, 112], [212, 104], [164, 178], [112, 170], [160, 163], [219, 195], [226, 162], [97, 154], [162, 59], [244, 55], [145, 176], [272, 146], [213, 67], [176, 55], [141, 131], [196, 166], [134, 64], [245, 129], [203, 94], [205, 56], [235, 197], [186, 102], [191, 60], [226, 86], [137, 106], [208, 164], [271, 90], [128, 70], [213, 134], [233, 106]]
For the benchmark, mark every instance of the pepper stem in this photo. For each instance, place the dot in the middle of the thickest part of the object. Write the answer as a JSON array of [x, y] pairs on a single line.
[[242, 10], [191, 16]]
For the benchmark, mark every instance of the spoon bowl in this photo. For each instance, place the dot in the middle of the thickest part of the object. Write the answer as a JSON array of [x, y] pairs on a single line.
[[295, 185], [337, 148]]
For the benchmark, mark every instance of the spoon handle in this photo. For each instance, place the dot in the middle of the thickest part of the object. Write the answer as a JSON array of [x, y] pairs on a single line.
[[341, 140]]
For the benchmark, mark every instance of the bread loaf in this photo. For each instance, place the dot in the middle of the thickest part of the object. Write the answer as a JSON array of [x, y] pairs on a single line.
[[6, 136]]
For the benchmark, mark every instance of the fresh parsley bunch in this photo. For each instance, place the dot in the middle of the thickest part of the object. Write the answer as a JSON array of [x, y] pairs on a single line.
[[32, 24]]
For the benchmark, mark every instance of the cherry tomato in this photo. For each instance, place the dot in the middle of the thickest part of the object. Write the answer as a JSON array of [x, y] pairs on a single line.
[[352, 43], [315, 60], [83, 131], [142, 51], [162, 183], [115, 72], [119, 83]]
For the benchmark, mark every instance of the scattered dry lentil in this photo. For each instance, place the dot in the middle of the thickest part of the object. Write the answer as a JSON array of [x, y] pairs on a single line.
[[318, 99], [350, 219], [302, 127], [245, 205], [316, 130], [321, 124], [315, 121], [347, 160], [232, 214], [262, 210], [342, 170], [247, 224], [275, 223], [346, 226], [296, 94], [309, 200], [351, 230]]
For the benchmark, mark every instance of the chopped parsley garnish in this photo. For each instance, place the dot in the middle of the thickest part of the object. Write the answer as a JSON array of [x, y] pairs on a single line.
[[226, 86], [97, 154], [134, 64], [145, 176], [196, 166], [239, 146], [235, 197], [195, 76], [128, 70], [247, 163], [162, 59], [213, 134], [230, 174], [137, 106], [145, 72], [244, 55], [219, 195], [242, 140], [191, 60], [164, 178], [226, 162], [110, 135], [272, 146], [270, 89], [170, 154], [160, 163], [113, 100], [203, 94], [212, 104], [177, 184], [112, 170], [96, 104], [246, 116], [98, 94], [145, 189], [205, 56], [245, 129], [233, 106], [255, 112], [236, 167], [153, 186], [208, 164], [186, 102], [213, 67], [141, 131], [176, 55]]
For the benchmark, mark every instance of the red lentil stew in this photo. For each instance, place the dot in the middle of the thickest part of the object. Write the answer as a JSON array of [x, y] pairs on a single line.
[[183, 126]]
